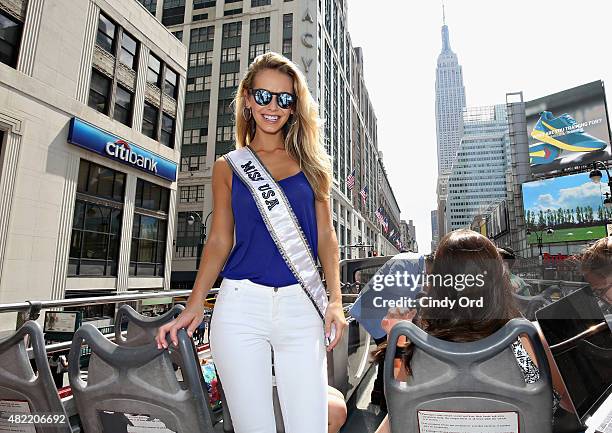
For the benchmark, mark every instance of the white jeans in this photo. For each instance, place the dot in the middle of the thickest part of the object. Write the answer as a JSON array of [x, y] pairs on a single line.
[[248, 321]]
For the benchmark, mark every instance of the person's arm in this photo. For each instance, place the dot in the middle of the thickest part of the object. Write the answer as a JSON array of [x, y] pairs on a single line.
[[329, 258], [384, 426], [557, 380], [216, 250]]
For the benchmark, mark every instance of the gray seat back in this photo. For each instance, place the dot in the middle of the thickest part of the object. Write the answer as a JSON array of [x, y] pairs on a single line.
[[137, 385], [528, 305], [141, 329], [19, 383], [467, 378]]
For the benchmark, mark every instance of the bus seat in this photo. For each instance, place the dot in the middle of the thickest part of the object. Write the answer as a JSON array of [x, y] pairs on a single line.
[[141, 329], [21, 387], [475, 384], [528, 305], [137, 386]]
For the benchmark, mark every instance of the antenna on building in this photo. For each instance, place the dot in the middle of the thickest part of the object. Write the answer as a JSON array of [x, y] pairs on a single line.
[[443, 14]]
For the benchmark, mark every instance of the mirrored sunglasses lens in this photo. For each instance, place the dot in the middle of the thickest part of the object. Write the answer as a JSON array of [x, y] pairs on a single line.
[[262, 97], [285, 100]]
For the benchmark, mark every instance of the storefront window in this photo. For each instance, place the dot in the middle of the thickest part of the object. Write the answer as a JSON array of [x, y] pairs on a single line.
[[148, 249], [96, 223]]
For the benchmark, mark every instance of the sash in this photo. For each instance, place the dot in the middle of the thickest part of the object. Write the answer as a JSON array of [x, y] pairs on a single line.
[[281, 222]]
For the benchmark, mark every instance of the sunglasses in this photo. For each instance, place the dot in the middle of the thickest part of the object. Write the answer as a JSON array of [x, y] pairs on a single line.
[[263, 97]]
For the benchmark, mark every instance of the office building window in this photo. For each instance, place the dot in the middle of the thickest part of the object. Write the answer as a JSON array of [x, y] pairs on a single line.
[[287, 48], [229, 80], [187, 235], [174, 12], [154, 70], [148, 249], [171, 83], [202, 34], [99, 92], [96, 223], [197, 84], [178, 35], [225, 133], [257, 49], [195, 136], [106, 34], [225, 106], [231, 54], [255, 3], [193, 163], [151, 5], [197, 110], [123, 106], [260, 25], [200, 17], [232, 30], [191, 193], [200, 59], [10, 39], [149, 120], [129, 48], [167, 131]]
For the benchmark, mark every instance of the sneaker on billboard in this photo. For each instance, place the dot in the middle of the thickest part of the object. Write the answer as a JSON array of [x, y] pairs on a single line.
[[564, 133], [542, 153]]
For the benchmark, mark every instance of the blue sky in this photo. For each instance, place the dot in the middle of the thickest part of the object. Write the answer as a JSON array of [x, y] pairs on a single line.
[[564, 192]]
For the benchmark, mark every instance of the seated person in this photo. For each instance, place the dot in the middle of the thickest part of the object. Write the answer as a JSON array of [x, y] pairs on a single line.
[[467, 252], [519, 285], [596, 267], [336, 410]]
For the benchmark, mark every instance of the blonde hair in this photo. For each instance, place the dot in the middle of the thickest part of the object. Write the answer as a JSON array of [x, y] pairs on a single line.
[[597, 259], [303, 136]]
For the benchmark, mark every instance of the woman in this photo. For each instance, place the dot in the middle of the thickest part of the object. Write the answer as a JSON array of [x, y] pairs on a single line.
[[465, 252], [261, 306], [596, 265]]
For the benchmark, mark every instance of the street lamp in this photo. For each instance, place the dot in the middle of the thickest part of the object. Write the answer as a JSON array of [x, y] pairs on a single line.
[[596, 176], [539, 235], [190, 220]]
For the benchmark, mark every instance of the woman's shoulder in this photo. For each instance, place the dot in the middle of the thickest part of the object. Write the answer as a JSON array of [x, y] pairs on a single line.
[[222, 172]]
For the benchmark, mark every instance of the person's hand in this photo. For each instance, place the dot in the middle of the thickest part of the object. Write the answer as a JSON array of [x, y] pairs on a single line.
[[395, 315], [334, 315], [189, 318]]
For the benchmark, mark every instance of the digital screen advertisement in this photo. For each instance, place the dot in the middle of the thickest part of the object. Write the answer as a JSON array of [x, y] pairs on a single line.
[[568, 128], [570, 205]]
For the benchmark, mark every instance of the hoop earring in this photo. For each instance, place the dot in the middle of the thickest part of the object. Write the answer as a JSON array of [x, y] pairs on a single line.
[[247, 110]]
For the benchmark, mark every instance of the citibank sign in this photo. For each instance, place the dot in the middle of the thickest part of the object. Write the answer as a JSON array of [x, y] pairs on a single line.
[[92, 138]]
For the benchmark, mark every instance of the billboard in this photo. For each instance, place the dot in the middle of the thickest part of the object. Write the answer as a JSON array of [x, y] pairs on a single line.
[[568, 128], [570, 205]]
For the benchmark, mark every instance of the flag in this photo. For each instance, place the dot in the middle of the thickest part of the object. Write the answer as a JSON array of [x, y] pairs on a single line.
[[379, 216], [350, 180], [391, 234], [386, 225], [364, 194]]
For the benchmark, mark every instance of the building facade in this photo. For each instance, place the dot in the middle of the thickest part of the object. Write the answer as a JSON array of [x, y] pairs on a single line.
[[90, 128], [450, 101], [434, 230], [408, 236], [389, 243], [222, 38], [478, 176]]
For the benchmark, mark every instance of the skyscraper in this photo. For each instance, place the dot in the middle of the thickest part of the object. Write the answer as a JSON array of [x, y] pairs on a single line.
[[478, 177], [450, 100]]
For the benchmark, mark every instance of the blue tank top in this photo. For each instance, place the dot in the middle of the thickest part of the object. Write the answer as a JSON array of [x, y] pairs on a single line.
[[255, 255]]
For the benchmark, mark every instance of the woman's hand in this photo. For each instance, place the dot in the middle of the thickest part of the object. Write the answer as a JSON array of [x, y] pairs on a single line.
[[334, 315], [190, 318], [395, 315]]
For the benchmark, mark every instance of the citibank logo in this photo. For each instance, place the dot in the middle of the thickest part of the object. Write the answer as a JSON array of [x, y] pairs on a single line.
[[121, 149]]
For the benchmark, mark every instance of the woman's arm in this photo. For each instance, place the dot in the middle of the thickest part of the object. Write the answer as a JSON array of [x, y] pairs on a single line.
[[557, 380], [329, 258], [214, 255]]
